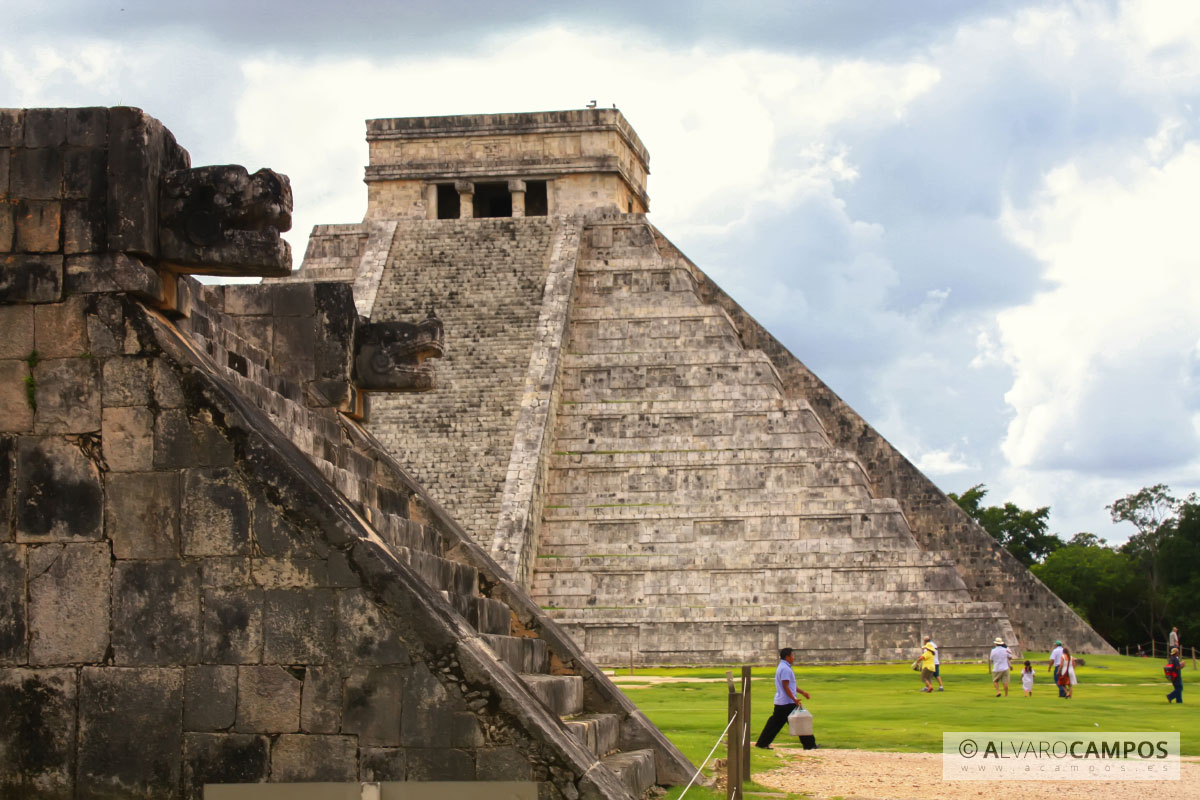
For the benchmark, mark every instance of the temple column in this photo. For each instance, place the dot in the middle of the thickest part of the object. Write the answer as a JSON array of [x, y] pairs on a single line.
[[516, 188], [431, 209], [466, 199]]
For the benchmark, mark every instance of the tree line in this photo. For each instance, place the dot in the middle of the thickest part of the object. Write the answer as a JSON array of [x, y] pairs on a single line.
[[1130, 594]]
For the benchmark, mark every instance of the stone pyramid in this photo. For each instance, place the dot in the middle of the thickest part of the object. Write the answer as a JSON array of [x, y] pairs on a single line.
[[668, 480]]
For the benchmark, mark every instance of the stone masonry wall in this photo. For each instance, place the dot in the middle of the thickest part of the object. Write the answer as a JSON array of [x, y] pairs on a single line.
[[485, 279], [991, 574]]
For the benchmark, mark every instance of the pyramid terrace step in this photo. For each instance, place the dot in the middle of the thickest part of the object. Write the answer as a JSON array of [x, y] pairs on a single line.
[[683, 299], [670, 358], [663, 459], [485, 614], [716, 341], [400, 532], [817, 615], [681, 440], [723, 511], [635, 768], [562, 694], [703, 488], [553, 555], [762, 479], [523, 654], [645, 311], [775, 408], [599, 733], [741, 391]]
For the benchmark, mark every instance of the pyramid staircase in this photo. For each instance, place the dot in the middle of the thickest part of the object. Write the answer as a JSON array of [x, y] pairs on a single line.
[[447, 564], [695, 511]]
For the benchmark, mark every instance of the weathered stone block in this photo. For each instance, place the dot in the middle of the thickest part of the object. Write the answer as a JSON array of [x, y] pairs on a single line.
[[126, 381], [68, 396], [298, 626], [232, 626], [321, 700], [465, 732], [425, 713], [84, 174], [293, 299], [12, 127], [441, 764], [365, 635], [87, 127], [141, 151], [168, 391], [36, 174], [221, 572], [141, 514], [209, 698], [14, 397], [382, 764], [128, 438], [59, 329], [373, 699], [45, 127], [13, 649], [275, 536], [268, 700], [49, 468], [8, 225], [16, 331], [290, 573], [105, 321], [83, 232], [292, 348], [249, 300], [156, 612], [39, 226], [502, 764], [223, 758], [26, 278], [37, 732], [135, 753], [306, 758], [7, 470], [182, 441], [216, 513]]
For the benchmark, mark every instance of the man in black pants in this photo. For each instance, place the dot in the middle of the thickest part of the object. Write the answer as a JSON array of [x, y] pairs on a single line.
[[785, 699]]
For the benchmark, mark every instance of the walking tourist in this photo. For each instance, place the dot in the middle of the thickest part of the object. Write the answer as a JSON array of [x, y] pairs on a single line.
[[1173, 640], [1056, 662], [785, 698], [1174, 672], [1027, 680], [925, 662], [1066, 674], [1001, 662], [937, 665]]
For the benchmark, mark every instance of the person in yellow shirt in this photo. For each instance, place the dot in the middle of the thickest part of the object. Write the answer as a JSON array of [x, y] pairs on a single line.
[[925, 660]]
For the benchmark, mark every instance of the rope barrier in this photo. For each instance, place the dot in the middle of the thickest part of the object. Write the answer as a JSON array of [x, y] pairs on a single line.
[[710, 754]]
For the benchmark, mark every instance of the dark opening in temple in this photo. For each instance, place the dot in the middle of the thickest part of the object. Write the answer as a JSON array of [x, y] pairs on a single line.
[[492, 200], [447, 202], [535, 199]]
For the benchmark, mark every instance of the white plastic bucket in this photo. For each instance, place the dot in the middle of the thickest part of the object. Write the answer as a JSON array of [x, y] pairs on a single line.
[[800, 722]]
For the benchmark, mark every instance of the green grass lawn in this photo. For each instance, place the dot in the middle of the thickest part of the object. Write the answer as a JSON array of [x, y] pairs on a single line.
[[880, 706]]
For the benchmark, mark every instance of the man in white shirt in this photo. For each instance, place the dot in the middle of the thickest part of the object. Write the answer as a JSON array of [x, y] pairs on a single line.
[[1001, 661], [785, 698], [1056, 663]]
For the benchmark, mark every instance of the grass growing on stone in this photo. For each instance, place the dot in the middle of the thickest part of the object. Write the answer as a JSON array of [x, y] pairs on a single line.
[[880, 706]]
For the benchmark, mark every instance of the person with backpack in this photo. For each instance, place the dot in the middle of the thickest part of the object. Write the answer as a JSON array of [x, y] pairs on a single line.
[[1174, 673]]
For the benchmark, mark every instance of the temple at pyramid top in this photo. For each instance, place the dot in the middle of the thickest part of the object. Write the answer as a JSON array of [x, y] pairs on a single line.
[[505, 165]]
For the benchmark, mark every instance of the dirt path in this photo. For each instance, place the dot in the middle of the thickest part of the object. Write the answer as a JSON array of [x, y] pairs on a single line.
[[865, 775]]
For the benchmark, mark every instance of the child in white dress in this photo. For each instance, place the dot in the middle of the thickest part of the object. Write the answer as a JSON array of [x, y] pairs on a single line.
[[1027, 679]]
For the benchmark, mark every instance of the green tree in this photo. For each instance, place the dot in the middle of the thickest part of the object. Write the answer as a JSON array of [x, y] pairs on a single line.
[[1103, 585], [1152, 511], [1022, 532]]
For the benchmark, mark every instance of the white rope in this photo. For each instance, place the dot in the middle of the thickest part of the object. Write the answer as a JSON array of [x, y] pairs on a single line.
[[706, 758]]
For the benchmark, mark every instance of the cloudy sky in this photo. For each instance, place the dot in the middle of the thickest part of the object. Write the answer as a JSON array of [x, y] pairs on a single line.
[[976, 221]]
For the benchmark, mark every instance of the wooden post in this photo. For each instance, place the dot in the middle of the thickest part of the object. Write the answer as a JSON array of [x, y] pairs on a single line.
[[733, 760], [631, 661], [1153, 645], [1193, 656], [746, 723]]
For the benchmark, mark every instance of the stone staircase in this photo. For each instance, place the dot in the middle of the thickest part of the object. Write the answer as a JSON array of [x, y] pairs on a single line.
[[431, 554], [691, 503]]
